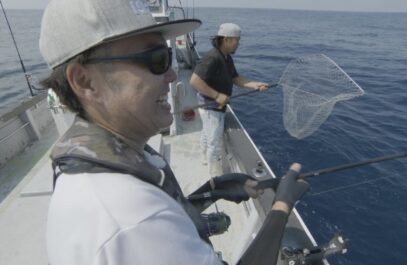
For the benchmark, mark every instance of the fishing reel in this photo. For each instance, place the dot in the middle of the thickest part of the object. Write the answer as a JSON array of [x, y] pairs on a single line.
[[216, 223], [337, 245]]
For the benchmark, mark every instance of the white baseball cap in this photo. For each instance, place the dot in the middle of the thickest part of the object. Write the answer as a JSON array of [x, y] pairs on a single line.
[[70, 27], [229, 30]]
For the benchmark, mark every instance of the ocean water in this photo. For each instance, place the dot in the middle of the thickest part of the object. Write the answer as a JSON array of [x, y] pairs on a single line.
[[367, 204], [26, 27]]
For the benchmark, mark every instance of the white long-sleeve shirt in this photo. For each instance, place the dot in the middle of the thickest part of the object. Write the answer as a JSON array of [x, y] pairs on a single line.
[[117, 219]]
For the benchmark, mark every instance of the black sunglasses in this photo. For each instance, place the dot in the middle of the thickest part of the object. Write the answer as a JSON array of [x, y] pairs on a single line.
[[158, 59]]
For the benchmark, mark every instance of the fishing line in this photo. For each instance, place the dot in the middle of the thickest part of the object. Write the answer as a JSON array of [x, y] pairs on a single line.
[[18, 52], [350, 186]]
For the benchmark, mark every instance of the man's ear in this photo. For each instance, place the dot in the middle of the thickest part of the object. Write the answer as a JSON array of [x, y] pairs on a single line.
[[80, 80]]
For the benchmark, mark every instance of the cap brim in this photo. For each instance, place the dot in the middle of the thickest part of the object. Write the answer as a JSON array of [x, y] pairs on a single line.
[[168, 30]]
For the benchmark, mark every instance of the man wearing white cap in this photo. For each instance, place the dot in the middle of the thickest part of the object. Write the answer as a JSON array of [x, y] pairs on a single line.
[[214, 78], [115, 200]]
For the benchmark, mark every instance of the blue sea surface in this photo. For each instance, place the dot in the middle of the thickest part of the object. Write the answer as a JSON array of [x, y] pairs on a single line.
[[26, 27], [368, 204]]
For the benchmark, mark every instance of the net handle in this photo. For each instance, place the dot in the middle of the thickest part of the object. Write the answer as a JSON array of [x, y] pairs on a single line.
[[204, 105]]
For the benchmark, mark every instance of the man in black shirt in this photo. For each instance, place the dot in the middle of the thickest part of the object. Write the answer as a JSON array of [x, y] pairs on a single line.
[[214, 78]]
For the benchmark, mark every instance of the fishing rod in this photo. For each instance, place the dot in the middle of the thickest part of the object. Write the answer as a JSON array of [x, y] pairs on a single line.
[[273, 182], [18, 52], [352, 165]]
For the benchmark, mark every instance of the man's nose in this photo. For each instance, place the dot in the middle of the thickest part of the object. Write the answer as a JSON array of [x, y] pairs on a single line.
[[170, 75]]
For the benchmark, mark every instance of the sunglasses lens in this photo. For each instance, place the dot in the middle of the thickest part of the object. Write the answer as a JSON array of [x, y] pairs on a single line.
[[157, 60], [160, 61]]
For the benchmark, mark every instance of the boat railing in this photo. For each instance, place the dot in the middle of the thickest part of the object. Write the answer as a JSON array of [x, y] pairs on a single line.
[[172, 10], [23, 125]]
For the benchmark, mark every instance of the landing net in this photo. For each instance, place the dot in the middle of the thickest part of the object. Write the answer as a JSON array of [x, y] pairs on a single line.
[[312, 85]]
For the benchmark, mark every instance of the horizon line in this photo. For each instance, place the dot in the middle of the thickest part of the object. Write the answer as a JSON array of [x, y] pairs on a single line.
[[273, 8]]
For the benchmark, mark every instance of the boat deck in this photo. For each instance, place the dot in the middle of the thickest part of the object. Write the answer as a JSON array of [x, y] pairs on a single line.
[[182, 151], [23, 213], [26, 189], [183, 154]]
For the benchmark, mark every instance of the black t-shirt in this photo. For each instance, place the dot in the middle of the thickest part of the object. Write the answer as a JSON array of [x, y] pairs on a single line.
[[218, 72]]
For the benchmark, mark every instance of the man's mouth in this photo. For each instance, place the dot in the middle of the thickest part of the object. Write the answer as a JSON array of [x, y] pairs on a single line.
[[163, 102]]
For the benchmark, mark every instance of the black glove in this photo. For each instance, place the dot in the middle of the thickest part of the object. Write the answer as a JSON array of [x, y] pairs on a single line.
[[235, 194], [228, 186], [229, 180], [291, 188], [231, 187]]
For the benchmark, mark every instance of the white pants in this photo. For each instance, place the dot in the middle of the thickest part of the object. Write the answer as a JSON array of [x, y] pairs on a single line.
[[212, 134]]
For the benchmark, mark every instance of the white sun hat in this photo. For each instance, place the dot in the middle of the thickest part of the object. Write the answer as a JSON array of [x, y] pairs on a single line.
[[229, 30], [70, 27]]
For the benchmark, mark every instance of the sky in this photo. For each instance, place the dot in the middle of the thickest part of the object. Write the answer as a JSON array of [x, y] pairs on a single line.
[[333, 5]]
